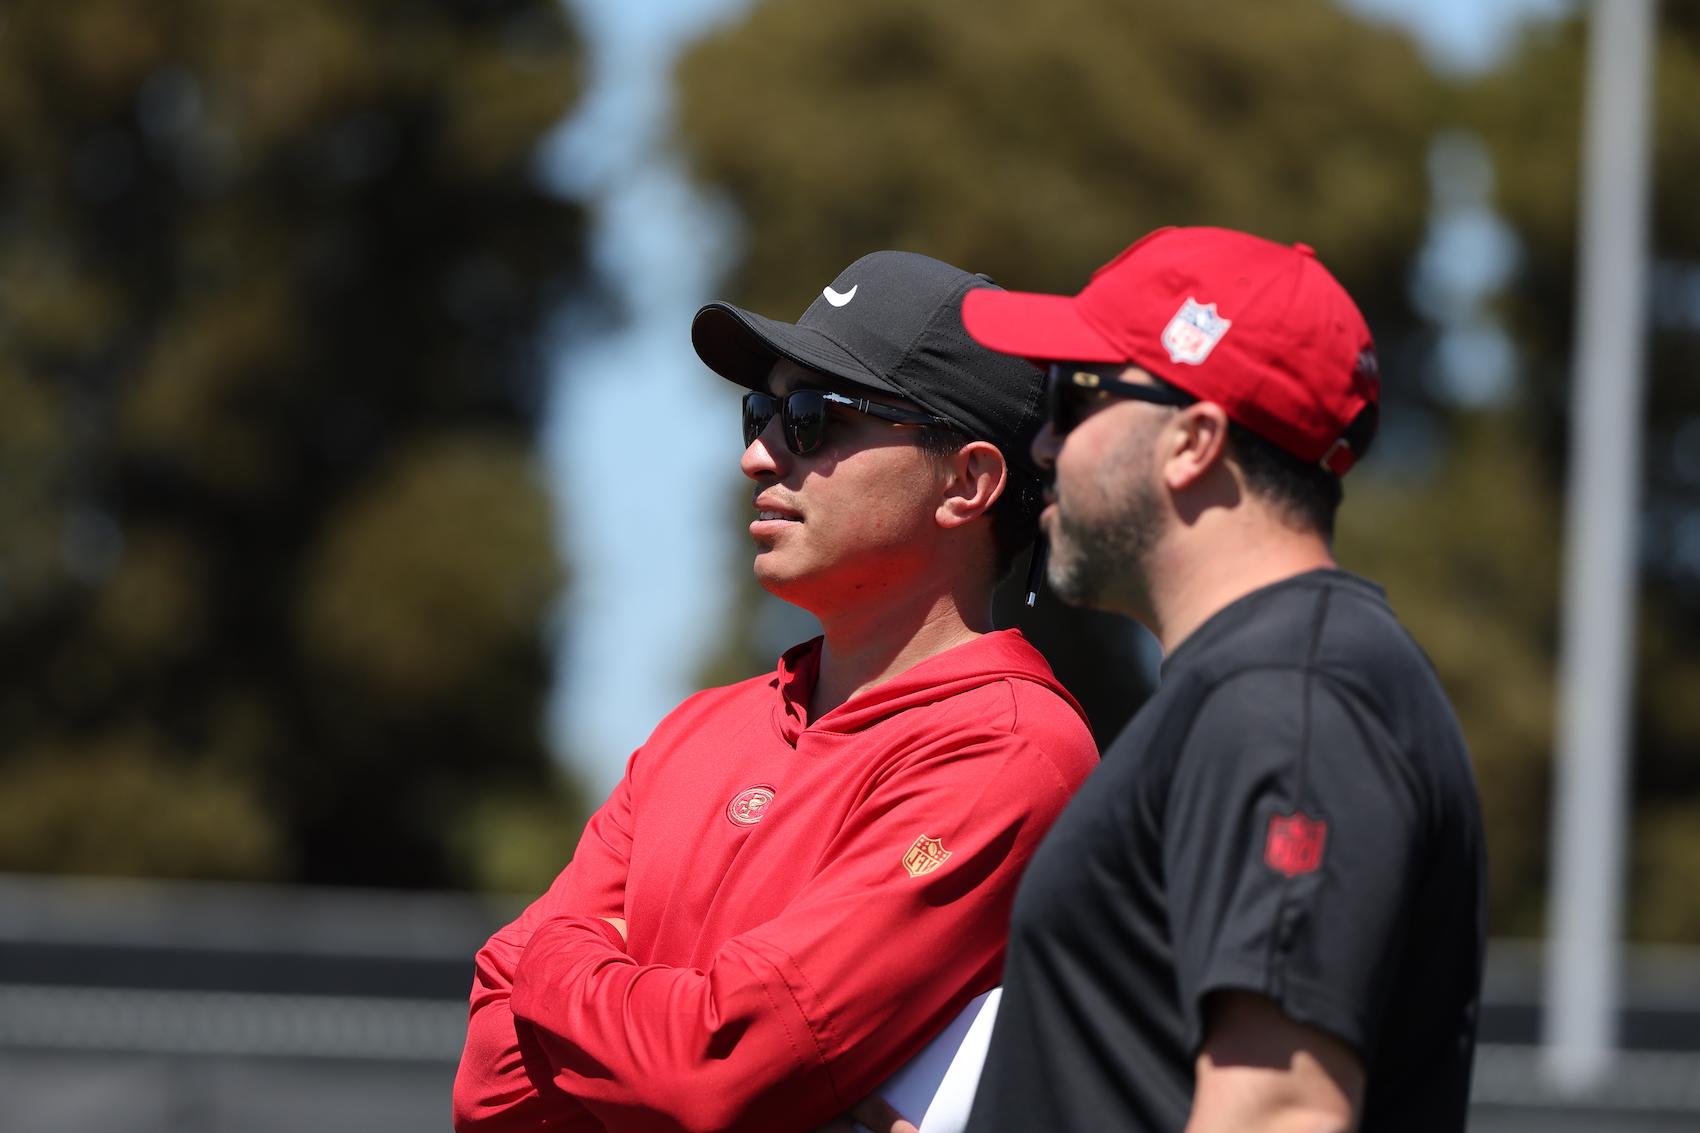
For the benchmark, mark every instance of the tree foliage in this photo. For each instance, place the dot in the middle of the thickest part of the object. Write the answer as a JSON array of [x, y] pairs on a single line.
[[1530, 114], [275, 551], [1033, 141]]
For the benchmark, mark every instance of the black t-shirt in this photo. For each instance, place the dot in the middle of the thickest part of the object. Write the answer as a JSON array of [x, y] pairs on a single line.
[[1291, 814]]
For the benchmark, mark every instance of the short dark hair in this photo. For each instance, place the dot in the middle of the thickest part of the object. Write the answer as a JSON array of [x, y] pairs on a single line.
[[1308, 494], [1015, 514]]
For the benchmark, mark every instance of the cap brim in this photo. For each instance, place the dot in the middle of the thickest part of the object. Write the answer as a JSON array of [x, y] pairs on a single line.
[[742, 346], [1041, 328]]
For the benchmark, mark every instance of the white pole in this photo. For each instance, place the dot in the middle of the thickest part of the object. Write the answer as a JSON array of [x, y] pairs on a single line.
[[1600, 552]]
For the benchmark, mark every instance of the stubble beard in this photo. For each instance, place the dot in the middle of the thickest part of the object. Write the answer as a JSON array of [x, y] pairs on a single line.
[[1103, 565]]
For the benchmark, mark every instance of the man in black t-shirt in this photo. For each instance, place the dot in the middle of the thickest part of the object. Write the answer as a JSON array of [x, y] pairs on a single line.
[[1265, 909]]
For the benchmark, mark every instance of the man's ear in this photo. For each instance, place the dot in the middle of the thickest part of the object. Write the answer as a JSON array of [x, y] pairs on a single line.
[[1195, 441], [976, 475]]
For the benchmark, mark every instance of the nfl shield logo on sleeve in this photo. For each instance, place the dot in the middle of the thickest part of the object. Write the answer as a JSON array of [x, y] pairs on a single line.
[[1194, 332], [924, 855], [1295, 843]]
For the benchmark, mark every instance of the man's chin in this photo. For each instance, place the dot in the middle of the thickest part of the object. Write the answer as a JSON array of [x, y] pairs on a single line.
[[1074, 579], [1074, 592], [778, 578]]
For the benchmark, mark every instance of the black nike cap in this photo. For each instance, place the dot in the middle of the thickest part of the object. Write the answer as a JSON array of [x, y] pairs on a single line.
[[891, 321]]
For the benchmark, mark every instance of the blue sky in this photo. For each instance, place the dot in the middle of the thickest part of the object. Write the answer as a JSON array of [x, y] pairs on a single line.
[[645, 527]]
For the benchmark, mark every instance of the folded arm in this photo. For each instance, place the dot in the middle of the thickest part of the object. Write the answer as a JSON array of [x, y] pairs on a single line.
[[494, 1089], [797, 1020]]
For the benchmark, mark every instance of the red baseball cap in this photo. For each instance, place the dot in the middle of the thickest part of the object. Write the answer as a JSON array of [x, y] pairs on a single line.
[[1261, 329]]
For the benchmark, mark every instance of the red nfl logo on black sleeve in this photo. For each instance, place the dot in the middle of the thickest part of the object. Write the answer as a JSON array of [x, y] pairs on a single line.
[[1295, 843]]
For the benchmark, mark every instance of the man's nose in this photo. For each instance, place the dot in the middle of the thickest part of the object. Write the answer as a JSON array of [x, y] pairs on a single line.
[[766, 455]]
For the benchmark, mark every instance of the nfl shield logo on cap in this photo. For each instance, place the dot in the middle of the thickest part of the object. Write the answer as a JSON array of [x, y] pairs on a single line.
[[1194, 332], [1300, 372]]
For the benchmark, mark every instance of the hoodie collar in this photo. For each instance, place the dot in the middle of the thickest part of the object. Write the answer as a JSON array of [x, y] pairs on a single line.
[[991, 657], [799, 669]]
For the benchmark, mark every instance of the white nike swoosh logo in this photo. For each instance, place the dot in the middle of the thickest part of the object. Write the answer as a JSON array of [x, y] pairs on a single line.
[[836, 299]]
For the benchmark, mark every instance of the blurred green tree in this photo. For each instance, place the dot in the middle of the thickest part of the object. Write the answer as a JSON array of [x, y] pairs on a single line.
[[1529, 111], [275, 555]]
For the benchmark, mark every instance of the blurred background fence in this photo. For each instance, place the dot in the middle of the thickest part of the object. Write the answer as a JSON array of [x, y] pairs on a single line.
[[362, 504], [155, 1007]]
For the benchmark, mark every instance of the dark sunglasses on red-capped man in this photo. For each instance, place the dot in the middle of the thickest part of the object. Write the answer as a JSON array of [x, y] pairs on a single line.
[[803, 414], [1072, 389]]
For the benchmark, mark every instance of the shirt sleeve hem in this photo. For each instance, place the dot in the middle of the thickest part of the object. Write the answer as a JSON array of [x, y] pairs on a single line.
[[1299, 1000]]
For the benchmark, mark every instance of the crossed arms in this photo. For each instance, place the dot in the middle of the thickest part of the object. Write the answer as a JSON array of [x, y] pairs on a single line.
[[789, 1023]]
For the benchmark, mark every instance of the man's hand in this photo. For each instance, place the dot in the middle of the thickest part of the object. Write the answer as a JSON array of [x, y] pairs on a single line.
[[1260, 1070], [872, 1113], [619, 924]]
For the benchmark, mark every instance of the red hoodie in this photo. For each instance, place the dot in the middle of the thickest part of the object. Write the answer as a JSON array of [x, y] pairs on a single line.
[[808, 902]]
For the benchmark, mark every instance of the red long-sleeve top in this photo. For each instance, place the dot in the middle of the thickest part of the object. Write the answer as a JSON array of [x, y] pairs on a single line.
[[808, 902]]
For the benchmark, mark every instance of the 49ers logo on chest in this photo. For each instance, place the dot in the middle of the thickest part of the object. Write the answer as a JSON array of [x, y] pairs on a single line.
[[749, 806], [1295, 843]]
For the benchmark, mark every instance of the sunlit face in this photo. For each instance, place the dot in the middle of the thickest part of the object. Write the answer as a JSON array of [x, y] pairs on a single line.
[[1107, 509], [849, 521]]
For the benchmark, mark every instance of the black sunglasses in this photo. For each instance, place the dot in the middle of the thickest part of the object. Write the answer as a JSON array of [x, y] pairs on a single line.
[[1071, 387], [802, 416]]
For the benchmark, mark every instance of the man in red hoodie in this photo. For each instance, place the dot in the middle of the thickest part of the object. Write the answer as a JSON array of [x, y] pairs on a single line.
[[802, 878]]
